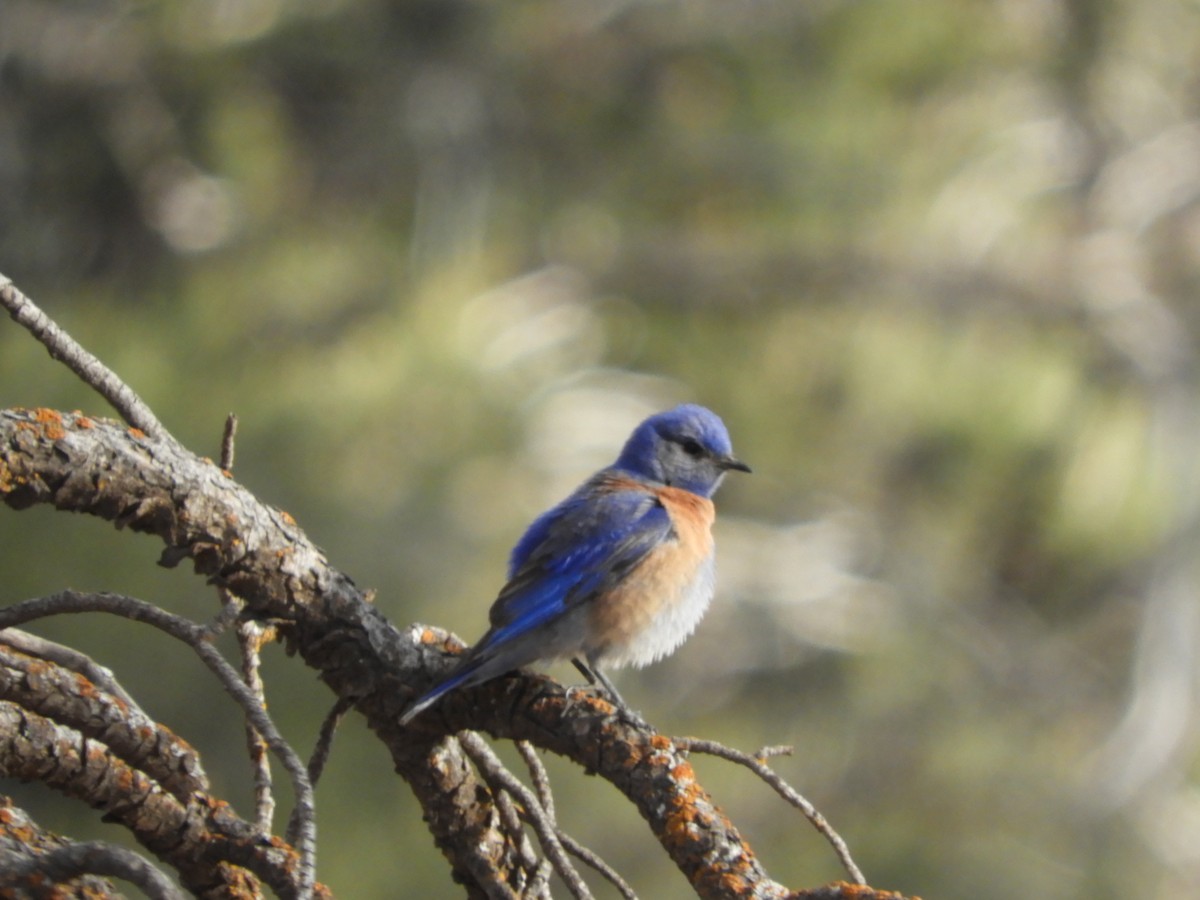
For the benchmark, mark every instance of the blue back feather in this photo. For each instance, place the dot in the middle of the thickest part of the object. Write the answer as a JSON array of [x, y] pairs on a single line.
[[582, 547]]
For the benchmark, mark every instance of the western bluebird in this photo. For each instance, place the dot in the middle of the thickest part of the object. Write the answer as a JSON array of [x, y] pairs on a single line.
[[621, 571]]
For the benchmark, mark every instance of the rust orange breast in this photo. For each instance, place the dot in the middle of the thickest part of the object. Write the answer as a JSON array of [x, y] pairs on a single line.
[[661, 600]]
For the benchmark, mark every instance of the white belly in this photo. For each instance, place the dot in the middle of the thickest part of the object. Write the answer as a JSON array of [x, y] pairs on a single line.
[[672, 624]]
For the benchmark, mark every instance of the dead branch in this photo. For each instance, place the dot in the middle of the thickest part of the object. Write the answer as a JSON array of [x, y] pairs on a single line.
[[500, 779], [545, 796], [101, 468], [756, 764], [196, 637], [67, 698], [68, 862], [189, 836], [69, 658], [21, 839]]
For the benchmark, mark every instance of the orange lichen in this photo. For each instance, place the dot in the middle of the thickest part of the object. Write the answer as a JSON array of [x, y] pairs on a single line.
[[85, 687], [678, 828], [733, 885], [125, 780], [7, 480], [287, 517], [684, 772], [137, 433], [46, 416], [82, 421], [51, 421]]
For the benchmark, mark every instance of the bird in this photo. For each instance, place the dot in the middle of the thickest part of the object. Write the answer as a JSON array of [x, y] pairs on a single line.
[[621, 571]]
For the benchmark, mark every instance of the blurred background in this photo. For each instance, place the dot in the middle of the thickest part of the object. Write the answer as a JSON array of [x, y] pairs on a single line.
[[935, 264]]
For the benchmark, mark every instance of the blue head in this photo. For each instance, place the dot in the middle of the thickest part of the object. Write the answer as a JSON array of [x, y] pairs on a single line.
[[685, 447]]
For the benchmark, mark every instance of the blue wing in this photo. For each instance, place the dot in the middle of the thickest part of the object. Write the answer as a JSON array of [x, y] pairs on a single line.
[[583, 546], [578, 549]]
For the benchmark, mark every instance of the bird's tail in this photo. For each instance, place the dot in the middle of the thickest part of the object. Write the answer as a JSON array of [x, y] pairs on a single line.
[[469, 672]]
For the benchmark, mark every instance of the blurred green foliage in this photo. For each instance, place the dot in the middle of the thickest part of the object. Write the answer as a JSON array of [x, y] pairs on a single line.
[[935, 264]]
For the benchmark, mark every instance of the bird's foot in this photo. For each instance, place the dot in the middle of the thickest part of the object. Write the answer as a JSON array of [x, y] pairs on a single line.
[[580, 693], [631, 717]]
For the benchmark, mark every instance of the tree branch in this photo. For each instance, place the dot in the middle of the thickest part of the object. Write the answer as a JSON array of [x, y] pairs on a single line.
[[22, 838], [90, 370], [190, 836], [69, 699], [757, 765], [500, 778], [28, 874], [196, 637], [69, 658]]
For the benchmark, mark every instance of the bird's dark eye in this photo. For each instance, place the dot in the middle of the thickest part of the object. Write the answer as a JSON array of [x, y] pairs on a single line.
[[692, 447]]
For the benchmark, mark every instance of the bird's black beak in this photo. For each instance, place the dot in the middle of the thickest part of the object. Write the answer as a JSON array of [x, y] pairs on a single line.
[[730, 462]]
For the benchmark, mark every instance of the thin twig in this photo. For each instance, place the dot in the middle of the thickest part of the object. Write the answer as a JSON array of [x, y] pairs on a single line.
[[539, 885], [510, 819], [539, 776], [496, 774], [231, 608], [227, 442], [90, 858], [95, 374], [320, 754], [589, 857], [196, 637], [541, 783], [756, 765], [250, 638]]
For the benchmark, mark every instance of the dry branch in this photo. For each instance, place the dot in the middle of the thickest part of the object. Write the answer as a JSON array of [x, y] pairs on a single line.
[[196, 637], [70, 699], [188, 836], [71, 861], [22, 840]]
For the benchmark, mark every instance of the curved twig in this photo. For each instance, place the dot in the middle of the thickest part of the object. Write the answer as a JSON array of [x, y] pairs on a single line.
[[91, 858], [539, 776], [496, 775], [754, 762], [590, 858], [541, 784], [23, 838], [320, 754]]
